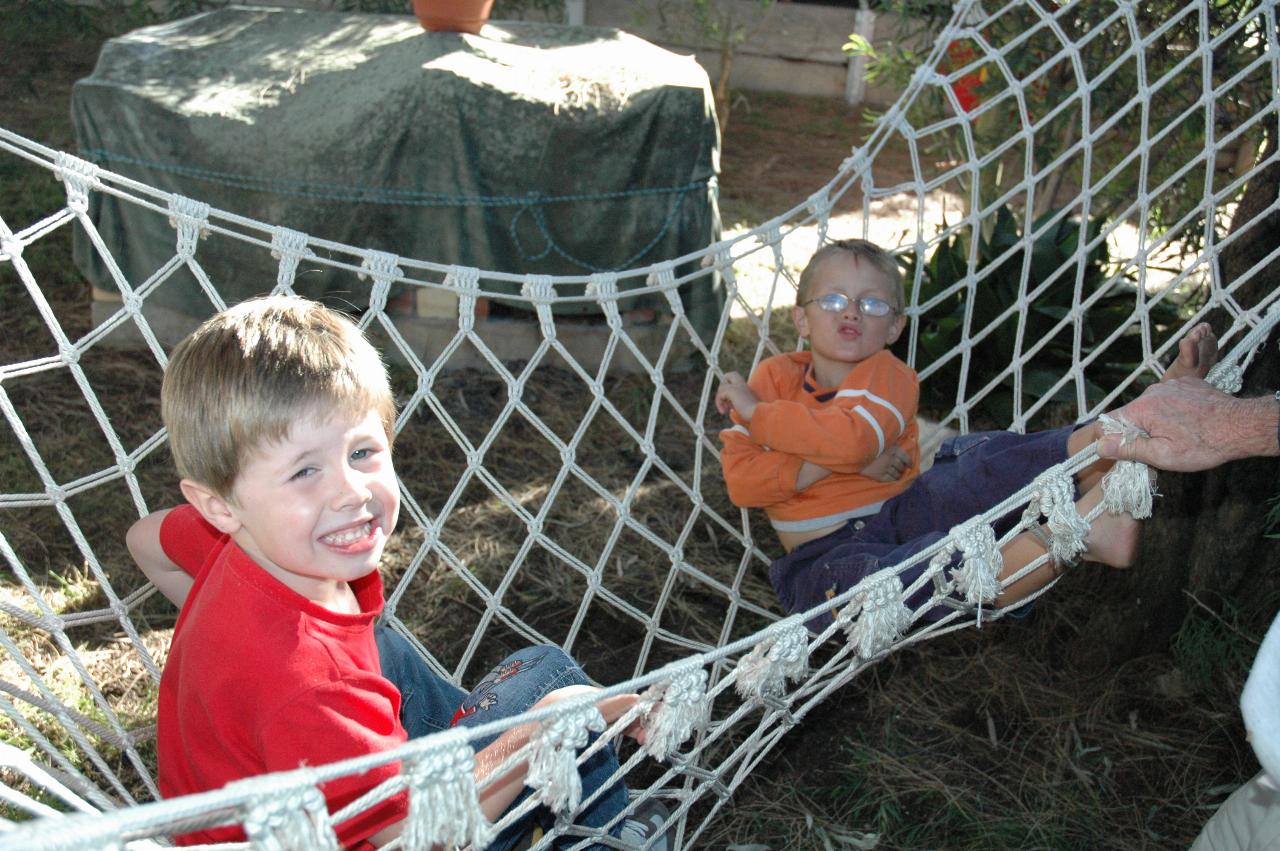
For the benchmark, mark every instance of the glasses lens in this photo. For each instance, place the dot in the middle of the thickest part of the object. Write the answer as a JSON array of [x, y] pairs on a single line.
[[833, 302], [875, 306]]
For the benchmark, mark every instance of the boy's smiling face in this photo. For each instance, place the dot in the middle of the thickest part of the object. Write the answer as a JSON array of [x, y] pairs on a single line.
[[840, 340], [315, 509]]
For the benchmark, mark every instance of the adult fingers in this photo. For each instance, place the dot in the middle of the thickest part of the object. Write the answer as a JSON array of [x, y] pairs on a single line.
[[1115, 446]]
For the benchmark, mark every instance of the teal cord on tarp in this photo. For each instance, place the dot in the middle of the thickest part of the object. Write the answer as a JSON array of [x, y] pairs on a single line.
[[533, 202]]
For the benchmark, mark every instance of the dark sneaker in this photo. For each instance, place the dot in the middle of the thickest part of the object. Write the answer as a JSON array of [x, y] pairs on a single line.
[[649, 826]]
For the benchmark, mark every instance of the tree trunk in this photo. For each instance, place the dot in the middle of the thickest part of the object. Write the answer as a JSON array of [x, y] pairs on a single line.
[[1206, 538]]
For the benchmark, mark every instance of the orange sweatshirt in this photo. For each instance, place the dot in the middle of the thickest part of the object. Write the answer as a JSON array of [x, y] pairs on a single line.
[[841, 428]]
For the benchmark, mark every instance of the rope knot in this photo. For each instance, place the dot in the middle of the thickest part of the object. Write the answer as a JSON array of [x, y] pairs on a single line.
[[603, 286], [294, 818], [539, 290], [770, 236], [190, 218], [673, 708], [663, 277], [976, 577], [783, 655], [1226, 376], [924, 75], [553, 747], [10, 247], [1129, 486], [465, 280], [876, 617], [289, 247], [819, 203], [383, 268], [444, 806], [1055, 498], [79, 176], [855, 163]]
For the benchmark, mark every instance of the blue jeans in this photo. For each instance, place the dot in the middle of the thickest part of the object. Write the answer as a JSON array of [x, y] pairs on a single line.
[[971, 474], [429, 703]]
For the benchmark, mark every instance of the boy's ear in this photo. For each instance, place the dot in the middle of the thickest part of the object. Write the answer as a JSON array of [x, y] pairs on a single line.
[[800, 320], [213, 508], [894, 333]]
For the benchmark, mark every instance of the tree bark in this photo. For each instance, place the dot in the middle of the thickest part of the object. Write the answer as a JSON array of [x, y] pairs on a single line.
[[1206, 538]]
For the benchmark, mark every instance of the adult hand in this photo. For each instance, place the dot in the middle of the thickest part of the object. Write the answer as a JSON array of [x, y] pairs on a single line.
[[1190, 425]]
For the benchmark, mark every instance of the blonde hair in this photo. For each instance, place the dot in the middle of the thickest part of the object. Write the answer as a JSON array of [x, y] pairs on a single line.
[[862, 250], [246, 375]]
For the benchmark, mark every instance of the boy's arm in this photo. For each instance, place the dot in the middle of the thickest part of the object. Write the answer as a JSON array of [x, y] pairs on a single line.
[[754, 476], [810, 473], [853, 430], [143, 540], [758, 478]]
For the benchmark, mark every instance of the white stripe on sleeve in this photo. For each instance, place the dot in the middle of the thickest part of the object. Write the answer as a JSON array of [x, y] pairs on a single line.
[[884, 403], [866, 415]]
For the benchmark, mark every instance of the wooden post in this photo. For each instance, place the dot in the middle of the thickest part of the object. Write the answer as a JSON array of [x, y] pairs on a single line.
[[855, 87]]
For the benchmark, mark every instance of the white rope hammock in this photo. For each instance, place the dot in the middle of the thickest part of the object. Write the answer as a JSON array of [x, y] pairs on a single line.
[[75, 769]]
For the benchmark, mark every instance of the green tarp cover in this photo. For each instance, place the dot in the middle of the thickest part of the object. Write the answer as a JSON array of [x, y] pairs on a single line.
[[531, 148]]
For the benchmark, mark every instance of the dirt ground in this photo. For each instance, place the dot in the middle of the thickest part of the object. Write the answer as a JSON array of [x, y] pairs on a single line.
[[782, 148]]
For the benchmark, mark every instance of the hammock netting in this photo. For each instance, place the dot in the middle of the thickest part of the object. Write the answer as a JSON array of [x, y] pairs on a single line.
[[560, 499]]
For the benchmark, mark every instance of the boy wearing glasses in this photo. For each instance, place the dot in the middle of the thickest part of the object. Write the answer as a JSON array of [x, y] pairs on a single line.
[[825, 440]]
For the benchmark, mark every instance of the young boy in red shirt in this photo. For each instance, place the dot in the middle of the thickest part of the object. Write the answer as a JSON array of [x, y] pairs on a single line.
[[826, 441], [280, 420]]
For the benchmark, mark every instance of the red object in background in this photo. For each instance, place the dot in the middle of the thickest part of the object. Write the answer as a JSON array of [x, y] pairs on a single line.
[[960, 53]]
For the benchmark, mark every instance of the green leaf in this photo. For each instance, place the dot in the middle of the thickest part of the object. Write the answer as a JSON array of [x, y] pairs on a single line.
[[859, 46], [1036, 383], [1005, 233], [1053, 311]]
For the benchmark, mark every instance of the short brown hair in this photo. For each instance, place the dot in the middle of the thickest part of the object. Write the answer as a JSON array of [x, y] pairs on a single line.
[[862, 250], [247, 374]]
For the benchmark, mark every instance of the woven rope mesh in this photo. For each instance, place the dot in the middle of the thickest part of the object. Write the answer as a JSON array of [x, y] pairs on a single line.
[[574, 496]]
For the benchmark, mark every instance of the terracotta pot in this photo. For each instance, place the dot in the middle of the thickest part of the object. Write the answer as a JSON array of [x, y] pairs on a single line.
[[466, 16]]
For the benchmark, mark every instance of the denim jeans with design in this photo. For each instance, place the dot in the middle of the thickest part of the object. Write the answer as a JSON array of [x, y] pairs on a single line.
[[429, 703]]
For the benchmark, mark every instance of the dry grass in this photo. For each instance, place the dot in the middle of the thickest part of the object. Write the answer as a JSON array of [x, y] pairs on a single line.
[[989, 740]]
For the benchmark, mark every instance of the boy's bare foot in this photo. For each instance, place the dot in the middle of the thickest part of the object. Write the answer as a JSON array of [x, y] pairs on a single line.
[[1197, 353], [1112, 538]]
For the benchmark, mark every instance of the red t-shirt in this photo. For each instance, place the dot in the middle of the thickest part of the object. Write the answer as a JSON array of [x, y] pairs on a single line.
[[261, 679]]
